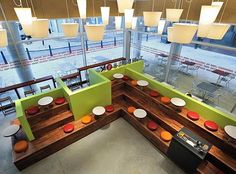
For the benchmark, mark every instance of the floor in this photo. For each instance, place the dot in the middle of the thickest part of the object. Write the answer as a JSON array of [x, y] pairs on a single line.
[[130, 152]]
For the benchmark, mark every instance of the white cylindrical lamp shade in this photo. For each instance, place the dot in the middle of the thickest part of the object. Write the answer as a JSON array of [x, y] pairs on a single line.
[[183, 33], [118, 20], [40, 28], [219, 4], [124, 4], [170, 34], [105, 15], [173, 15], [70, 29], [128, 17], [151, 19], [217, 31], [24, 15], [207, 17], [208, 14], [3, 38], [134, 22], [28, 28], [95, 32], [161, 26], [82, 8]]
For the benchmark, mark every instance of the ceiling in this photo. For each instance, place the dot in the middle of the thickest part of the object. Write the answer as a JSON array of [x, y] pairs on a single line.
[[57, 8]]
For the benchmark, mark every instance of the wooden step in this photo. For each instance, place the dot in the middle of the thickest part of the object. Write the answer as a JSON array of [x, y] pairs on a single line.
[[218, 138], [45, 114], [221, 159], [51, 123], [56, 139]]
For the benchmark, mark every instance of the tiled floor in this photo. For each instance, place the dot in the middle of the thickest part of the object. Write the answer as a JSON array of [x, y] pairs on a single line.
[[118, 149]]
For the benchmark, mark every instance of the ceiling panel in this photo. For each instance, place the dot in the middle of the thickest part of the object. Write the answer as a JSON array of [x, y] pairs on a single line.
[[57, 8]]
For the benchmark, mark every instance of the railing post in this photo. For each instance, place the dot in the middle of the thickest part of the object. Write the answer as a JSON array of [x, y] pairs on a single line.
[[86, 45], [147, 37], [69, 47], [43, 42], [4, 58], [114, 41], [28, 54], [101, 44], [50, 50]]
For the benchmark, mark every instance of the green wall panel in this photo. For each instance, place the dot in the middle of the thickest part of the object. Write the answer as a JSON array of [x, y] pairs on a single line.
[[203, 109]]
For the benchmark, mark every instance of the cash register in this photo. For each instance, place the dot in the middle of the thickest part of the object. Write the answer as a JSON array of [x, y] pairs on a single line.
[[188, 150]]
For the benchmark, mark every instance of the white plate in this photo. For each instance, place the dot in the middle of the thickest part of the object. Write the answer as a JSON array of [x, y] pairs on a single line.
[[142, 83], [99, 110], [140, 113], [10, 130], [45, 101], [231, 131], [118, 76], [178, 102]]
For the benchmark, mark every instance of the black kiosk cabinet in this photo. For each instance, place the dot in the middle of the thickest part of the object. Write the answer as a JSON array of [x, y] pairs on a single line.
[[188, 150]]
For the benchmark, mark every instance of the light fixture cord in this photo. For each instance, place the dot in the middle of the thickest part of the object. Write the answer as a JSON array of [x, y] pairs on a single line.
[[67, 9], [105, 4], [223, 10], [32, 4], [175, 2], [27, 3], [189, 7], [164, 6], [75, 4], [153, 2], [93, 8], [19, 5]]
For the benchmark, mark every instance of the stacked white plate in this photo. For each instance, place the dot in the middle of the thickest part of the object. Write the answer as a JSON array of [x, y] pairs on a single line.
[[178, 102], [231, 131], [118, 76]]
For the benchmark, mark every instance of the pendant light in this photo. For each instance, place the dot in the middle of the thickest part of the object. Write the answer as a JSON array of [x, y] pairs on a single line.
[[105, 14], [70, 29], [170, 34], [151, 18], [208, 16], [183, 33], [24, 16], [161, 27], [82, 8], [118, 20], [218, 4], [128, 17], [95, 32], [124, 4], [3, 37], [173, 15], [218, 30], [134, 22], [162, 23], [40, 28]]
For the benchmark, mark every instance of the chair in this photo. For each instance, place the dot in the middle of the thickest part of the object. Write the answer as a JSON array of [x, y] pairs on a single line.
[[193, 69], [46, 87], [227, 79], [233, 108], [29, 92], [6, 105]]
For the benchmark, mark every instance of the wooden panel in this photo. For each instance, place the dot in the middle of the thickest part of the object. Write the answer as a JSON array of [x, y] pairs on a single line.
[[56, 9]]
